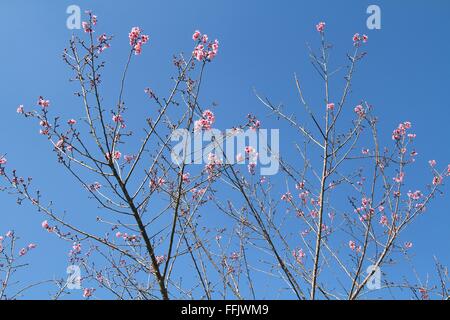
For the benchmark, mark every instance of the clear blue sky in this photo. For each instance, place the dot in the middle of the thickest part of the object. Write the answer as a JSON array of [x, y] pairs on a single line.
[[405, 76]]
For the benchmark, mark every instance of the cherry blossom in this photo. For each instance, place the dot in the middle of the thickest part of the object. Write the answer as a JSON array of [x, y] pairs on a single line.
[[399, 178], [196, 35], [320, 27], [287, 197], [204, 49], [87, 292], [359, 110], [137, 39], [43, 103], [206, 122], [437, 180], [384, 220], [299, 255], [330, 106], [87, 27], [352, 245]]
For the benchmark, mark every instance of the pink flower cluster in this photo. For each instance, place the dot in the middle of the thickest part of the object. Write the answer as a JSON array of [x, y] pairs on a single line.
[[320, 27], [126, 237], [117, 118], [206, 122], [88, 26], [42, 102], [103, 43], [116, 155], [299, 255], [400, 132], [137, 39], [353, 247], [287, 197], [359, 110], [204, 50], [253, 122], [24, 251], [214, 162], [95, 186], [416, 195], [358, 39], [46, 226], [87, 292]]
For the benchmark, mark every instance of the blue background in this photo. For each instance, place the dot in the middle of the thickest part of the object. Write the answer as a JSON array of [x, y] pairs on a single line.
[[405, 76]]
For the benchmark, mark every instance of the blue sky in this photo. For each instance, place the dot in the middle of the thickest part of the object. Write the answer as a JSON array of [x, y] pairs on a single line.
[[405, 76]]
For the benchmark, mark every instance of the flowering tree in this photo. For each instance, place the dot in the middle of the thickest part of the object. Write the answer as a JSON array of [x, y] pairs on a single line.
[[153, 242]]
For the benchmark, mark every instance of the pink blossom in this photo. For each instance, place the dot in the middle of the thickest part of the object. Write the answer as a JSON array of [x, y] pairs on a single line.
[[134, 35], [249, 149], [32, 246], [95, 186], [356, 37], [3, 160], [239, 157], [384, 220], [20, 109], [9, 234], [352, 245], [330, 106], [299, 255], [118, 234], [432, 163], [87, 292], [117, 118], [399, 178], [137, 40], [365, 151], [300, 185], [86, 27], [206, 122], [251, 168], [205, 50], [45, 224], [448, 170], [145, 38], [286, 197], [437, 180], [414, 195], [185, 177], [71, 122], [196, 35], [408, 245], [138, 48], [43, 103], [22, 252], [320, 27], [76, 248], [359, 110]]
